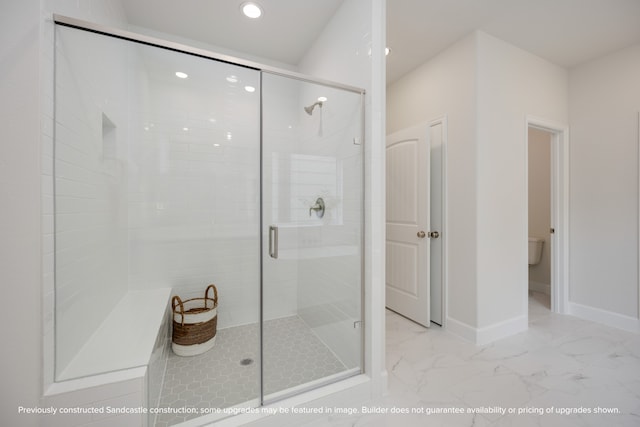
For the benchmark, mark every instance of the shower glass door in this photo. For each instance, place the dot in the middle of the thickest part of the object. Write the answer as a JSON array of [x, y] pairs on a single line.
[[156, 165], [312, 197]]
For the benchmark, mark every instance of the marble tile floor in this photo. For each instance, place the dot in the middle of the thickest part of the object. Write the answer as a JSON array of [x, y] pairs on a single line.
[[560, 364], [219, 378]]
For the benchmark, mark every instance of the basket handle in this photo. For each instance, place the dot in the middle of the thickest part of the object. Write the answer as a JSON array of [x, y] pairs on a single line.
[[215, 295], [173, 307]]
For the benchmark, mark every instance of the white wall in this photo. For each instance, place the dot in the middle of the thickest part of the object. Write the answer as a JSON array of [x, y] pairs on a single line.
[[512, 84], [100, 11], [604, 106], [20, 221], [445, 86], [218, 48], [90, 186], [540, 205], [486, 88], [329, 270], [109, 13], [193, 194], [281, 138], [351, 51]]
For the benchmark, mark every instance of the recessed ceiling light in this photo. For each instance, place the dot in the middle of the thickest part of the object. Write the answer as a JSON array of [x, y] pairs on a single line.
[[186, 129], [232, 79], [181, 75], [250, 89], [322, 98], [251, 10]]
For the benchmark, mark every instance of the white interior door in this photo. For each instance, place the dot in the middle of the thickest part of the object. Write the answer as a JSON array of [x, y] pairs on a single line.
[[407, 245]]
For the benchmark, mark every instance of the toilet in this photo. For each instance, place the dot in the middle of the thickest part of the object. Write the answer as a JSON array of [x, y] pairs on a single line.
[[535, 250]]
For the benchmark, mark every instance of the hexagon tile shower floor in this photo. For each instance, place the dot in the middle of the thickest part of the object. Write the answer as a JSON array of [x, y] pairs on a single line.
[[225, 375]]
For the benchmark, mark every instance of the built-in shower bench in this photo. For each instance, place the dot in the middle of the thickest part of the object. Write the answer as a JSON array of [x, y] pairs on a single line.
[[123, 362], [126, 338]]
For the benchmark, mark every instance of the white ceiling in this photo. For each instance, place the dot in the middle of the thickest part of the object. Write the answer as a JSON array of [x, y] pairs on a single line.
[[565, 32], [285, 31]]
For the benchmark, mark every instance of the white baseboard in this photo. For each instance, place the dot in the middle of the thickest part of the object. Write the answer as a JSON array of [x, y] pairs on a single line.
[[545, 288], [384, 383], [502, 329], [461, 329], [490, 333], [609, 318]]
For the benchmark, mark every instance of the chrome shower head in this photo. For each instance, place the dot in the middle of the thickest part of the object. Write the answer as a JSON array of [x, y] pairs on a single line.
[[309, 109]]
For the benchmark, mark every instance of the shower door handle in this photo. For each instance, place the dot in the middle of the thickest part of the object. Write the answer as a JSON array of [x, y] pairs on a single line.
[[273, 241]]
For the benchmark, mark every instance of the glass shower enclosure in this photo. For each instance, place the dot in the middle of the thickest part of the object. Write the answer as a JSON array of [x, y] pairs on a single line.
[[175, 168], [312, 233]]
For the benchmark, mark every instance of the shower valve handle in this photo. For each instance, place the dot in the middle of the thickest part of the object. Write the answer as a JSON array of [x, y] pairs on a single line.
[[318, 207]]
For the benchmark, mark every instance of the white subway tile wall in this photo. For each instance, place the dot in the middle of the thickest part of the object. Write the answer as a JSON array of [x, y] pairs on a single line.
[[90, 196], [307, 156], [157, 182], [109, 13], [194, 195]]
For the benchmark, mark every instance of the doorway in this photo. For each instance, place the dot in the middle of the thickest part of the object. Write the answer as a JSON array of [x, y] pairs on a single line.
[[548, 224], [540, 227], [415, 222], [437, 203]]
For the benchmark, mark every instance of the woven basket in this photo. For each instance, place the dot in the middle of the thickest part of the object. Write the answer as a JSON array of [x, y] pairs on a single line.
[[194, 323]]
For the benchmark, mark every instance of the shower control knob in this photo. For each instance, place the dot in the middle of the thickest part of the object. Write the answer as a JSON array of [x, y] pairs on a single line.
[[434, 234], [421, 234]]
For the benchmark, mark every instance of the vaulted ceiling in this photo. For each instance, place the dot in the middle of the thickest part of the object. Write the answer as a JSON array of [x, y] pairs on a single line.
[[565, 32]]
